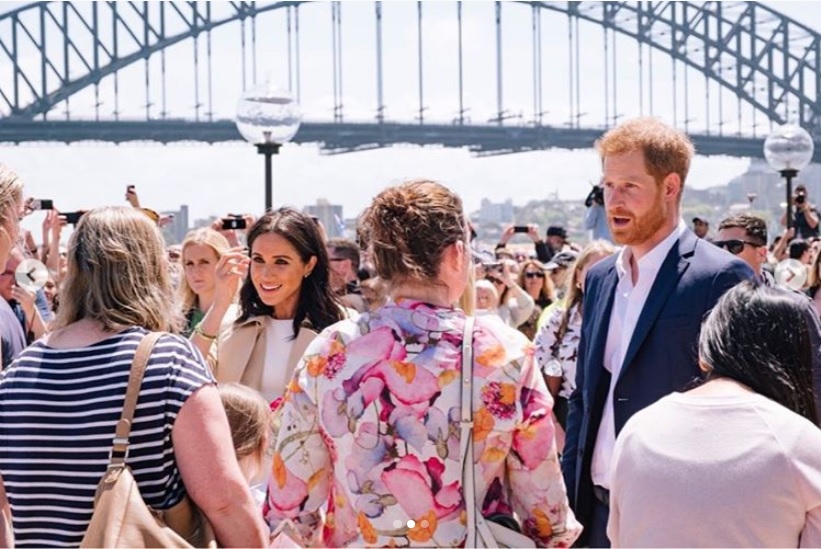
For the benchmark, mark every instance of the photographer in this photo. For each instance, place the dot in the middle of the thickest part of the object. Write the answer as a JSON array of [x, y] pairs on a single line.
[[805, 215], [595, 218]]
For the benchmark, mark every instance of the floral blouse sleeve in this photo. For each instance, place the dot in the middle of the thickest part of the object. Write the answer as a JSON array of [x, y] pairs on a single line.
[[545, 340], [536, 483], [301, 462]]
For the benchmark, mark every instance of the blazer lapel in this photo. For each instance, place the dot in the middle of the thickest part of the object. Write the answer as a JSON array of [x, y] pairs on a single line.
[[601, 326], [676, 262]]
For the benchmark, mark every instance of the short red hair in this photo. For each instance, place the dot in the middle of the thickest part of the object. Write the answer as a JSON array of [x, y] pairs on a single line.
[[666, 149]]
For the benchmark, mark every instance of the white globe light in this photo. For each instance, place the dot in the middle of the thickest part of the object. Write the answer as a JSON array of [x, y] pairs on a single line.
[[267, 114], [789, 147]]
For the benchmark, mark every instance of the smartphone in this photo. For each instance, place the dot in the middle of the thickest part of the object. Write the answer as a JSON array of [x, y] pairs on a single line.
[[520, 229], [130, 189], [230, 223], [72, 217], [41, 204]]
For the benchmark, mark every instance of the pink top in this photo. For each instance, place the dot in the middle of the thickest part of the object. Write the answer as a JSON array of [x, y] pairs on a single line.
[[731, 470]]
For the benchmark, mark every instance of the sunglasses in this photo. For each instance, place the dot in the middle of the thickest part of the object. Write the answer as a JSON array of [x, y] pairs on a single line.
[[535, 275], [735, 246], [494, 280]]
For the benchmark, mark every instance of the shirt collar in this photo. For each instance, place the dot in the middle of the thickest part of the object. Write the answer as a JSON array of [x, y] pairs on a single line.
[[652, 260]]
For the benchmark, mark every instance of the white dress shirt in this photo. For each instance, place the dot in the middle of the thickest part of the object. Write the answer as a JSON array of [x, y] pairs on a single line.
[[627, 306]]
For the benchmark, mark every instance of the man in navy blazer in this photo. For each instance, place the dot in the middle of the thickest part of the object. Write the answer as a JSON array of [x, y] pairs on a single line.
[[643, 307]]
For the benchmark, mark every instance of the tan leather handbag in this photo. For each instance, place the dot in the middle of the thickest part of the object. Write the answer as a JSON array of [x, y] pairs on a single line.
[[121, 518]]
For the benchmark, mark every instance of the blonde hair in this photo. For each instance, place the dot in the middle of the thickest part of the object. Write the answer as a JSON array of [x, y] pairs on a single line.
[[11, 196], [574, 295], [666, 149], [487, 286], [117, 274], [467, 301], [548, 290], [205, 237], [249, 417]]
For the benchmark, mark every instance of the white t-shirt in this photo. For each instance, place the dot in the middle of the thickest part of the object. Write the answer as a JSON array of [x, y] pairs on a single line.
[[730, 470], [279, 342]]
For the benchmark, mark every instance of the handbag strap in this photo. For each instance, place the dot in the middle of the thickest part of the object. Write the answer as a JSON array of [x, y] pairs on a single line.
[[466, 440], [119, 451]]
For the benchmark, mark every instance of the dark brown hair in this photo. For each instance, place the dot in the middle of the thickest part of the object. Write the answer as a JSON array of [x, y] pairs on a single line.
[[409, 226]]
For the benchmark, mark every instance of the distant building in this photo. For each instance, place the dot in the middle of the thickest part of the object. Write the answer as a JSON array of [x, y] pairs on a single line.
[[490, 212], [330, 215], [175, 231]]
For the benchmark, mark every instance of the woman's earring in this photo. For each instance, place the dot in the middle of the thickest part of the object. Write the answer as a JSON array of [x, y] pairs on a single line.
[[307, 274]]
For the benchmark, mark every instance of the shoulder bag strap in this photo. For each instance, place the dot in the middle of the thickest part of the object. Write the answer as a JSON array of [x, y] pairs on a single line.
[[119, 451], [466, 439]]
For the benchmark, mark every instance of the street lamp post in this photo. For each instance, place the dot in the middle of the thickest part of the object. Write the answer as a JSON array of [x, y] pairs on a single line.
[[268, 117], [788, 150]]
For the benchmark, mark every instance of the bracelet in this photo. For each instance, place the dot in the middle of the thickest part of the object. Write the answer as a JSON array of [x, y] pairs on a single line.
[[199, 332]]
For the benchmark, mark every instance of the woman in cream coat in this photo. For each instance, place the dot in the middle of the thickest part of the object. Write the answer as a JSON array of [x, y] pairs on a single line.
[[285, 301]]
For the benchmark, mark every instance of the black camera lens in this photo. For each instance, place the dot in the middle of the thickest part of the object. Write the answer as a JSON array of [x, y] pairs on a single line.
[[800, 199]]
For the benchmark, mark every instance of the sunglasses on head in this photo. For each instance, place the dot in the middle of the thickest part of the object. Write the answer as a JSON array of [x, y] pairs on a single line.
[[538, 274], [734, 246]]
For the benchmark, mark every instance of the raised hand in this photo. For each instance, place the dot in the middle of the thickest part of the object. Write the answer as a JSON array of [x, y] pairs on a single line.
[[232, 268]]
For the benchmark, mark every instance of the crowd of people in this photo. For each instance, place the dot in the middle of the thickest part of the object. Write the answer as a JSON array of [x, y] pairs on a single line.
[[655, 386]]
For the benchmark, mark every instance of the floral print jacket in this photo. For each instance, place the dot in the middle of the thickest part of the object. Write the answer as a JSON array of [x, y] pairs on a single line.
[[368, 449]]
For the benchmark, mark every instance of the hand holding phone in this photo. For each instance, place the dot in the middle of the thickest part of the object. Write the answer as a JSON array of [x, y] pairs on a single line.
[[72, 217], [40, 204], [233, 223], [131, 196], [520, 229]]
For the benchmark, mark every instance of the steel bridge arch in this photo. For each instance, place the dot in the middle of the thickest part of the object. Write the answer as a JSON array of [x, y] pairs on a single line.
[[199, 22], [722, 32], [784, 57]]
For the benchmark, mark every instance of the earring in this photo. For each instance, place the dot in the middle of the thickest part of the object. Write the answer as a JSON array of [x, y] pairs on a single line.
[[307, 274]]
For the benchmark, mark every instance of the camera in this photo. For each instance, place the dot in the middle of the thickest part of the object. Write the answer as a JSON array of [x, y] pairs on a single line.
[[800, 199], [596, 196], [41, 204], [234, 222]]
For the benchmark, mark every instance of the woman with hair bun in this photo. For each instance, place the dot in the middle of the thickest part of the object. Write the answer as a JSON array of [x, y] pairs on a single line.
[[368, 449]]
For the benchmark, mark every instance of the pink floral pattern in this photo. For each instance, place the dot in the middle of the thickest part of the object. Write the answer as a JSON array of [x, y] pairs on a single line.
[[368, 449]]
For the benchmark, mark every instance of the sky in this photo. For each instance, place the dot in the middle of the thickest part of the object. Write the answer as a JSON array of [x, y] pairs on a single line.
[[216, 179]]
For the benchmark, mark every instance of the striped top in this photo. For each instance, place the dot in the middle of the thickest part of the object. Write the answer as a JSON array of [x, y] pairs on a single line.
[[58, 412]]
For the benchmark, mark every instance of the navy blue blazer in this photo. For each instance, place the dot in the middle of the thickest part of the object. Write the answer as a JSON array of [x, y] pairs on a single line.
[[661, 357]]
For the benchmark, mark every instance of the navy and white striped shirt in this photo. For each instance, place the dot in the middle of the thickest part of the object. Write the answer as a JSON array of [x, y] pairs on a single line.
[[58, 412]]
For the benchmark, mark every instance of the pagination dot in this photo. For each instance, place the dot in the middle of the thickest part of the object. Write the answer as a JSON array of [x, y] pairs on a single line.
[[411, 523]]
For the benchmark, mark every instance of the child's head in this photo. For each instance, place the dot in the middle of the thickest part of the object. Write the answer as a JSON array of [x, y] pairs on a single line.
[[250, 419]]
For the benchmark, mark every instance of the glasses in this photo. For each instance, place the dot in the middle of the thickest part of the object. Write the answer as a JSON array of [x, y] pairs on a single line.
[[535, 275], [735, 246], [494, 280]]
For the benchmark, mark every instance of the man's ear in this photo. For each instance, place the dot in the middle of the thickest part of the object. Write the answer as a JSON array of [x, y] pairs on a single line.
[[672, 186]]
